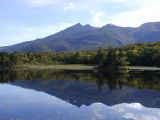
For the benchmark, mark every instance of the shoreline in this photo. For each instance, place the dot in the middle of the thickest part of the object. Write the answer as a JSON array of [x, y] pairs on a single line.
[[61, 67], [82, 67], [143, 68]]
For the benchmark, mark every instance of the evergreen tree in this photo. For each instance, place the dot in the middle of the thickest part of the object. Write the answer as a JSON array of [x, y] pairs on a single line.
[[115, 58]]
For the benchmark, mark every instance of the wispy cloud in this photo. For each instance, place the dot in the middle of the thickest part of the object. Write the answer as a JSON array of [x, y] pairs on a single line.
[[99, 18], [27, 33], [70, 6], [39, 3], [45, 17], [148, 12]]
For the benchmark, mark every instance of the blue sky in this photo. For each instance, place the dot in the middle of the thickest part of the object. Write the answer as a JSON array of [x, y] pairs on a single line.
[[24, 20]]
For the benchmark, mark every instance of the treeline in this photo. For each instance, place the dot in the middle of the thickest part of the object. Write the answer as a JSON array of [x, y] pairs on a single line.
[[147, 54], [48, 58]]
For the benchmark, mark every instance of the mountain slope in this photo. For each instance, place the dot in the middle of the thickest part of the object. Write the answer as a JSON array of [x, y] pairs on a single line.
[[79, 37]]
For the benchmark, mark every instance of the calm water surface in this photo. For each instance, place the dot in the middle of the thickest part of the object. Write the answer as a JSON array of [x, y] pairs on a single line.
[[79, 95]]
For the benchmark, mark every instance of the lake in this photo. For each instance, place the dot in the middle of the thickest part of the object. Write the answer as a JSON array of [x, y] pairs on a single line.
[[79, 95]]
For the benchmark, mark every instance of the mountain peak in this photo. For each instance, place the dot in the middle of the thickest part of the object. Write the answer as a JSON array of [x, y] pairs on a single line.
[[77, 28], [74, 27], [77, 25], [151, 24], [109, 26], [88, 25]]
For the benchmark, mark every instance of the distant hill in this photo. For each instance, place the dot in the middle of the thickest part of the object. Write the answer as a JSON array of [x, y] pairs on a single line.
[[79, 37]]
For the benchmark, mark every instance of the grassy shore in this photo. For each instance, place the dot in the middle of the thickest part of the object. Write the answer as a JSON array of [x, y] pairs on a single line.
[[83, 67], [63, 67], [131, 68], [143, 68], [86, 67]]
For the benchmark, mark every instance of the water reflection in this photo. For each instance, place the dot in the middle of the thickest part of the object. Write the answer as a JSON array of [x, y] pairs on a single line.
[[150, 80], [88, 87], [27, 104]]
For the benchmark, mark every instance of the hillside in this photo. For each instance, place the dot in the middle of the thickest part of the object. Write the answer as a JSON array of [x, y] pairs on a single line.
[[79, 37]]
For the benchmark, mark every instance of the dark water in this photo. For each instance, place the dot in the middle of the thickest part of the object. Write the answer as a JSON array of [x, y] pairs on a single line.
[[79, 95]]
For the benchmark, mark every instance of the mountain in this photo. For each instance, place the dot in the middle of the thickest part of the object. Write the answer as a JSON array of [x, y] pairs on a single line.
[[79, 37]]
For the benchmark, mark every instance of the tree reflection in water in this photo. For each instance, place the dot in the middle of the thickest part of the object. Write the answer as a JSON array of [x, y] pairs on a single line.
[[88, 87], [114, 80]]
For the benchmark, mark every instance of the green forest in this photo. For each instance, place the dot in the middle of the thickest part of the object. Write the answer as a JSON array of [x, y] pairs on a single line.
[[146, 54]]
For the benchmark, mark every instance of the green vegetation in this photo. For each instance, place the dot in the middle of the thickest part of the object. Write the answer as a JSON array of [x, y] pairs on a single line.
[[115, 58], [6, 61], [147, 54]]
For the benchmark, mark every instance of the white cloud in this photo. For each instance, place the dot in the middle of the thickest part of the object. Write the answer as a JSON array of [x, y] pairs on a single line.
[[148, 12], [99, 18], [70, 6]]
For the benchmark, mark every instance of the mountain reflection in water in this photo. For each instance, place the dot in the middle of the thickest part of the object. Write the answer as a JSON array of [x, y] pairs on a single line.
[[88, 87], [27, 104]]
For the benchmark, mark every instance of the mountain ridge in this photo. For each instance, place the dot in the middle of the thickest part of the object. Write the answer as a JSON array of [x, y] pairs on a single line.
[[87, 37]]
